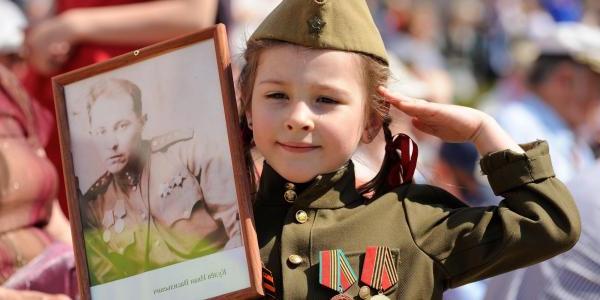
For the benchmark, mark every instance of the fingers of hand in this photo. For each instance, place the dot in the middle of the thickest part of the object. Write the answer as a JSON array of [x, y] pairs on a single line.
[[411, 106], [423, 127], [395, 98]]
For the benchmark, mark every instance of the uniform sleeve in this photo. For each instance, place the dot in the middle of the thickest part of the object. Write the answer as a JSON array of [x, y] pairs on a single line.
[[211, 164], [536, 220]]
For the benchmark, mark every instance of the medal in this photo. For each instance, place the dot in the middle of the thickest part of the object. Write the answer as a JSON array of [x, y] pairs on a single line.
[[119, 209], [119, 225], [106, 236], [336, 273], [108, 219], [379, 270], [341, 297]]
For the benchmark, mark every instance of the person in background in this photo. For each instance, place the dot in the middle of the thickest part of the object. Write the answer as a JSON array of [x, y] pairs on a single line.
[[456, 170], [574, 275], [563, 102], [31, 221], [563, 98], [12, 24], [594, 134], [412, 33]]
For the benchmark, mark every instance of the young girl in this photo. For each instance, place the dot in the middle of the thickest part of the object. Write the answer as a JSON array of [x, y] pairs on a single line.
[[312, 90]]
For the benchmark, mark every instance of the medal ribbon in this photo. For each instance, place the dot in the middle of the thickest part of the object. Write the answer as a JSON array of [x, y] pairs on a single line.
[[268, 284], [335, 271], [379, 270]]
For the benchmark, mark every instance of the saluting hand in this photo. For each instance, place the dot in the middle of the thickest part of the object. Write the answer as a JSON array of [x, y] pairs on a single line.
[[453, 123]]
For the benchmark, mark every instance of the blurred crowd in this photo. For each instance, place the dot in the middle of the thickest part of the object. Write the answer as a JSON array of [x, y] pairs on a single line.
[[534, 65]]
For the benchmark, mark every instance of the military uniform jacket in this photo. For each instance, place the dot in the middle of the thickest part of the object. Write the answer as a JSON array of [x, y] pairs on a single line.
[[183, 206], [437, 242]]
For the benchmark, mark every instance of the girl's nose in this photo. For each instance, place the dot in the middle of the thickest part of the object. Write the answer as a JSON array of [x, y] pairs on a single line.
[[300, 117]]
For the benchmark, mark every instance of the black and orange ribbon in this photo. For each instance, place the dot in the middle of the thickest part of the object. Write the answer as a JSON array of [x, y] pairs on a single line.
[[268, 284], [379, 270]]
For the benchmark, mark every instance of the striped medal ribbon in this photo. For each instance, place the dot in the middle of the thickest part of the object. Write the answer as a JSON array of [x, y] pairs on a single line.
[[335, 272], [379, 270], [268, 284]]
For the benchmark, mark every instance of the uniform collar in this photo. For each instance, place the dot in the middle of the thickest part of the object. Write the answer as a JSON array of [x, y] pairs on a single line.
[[331, 190]]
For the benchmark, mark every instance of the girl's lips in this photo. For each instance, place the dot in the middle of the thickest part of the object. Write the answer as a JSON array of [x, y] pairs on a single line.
[[298, 147]]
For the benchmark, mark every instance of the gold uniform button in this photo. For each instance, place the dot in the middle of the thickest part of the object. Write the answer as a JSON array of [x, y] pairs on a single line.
[[364, 292], [290, 196], [301, 216], [295, 259]]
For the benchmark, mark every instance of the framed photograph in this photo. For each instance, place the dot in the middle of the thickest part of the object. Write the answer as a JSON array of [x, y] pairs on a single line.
[[158, 189]]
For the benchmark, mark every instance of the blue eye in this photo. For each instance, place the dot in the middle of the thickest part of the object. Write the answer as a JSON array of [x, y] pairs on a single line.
[[327, 100], [277, 96]]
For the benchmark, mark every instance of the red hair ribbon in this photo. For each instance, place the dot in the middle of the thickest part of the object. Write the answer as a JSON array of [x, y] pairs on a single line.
[[402, 166]]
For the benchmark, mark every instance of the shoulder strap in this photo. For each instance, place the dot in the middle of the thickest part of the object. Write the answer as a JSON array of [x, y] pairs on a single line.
[[161, 142]]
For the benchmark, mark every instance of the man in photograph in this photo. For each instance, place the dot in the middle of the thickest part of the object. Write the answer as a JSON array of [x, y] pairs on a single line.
[[161, 201]]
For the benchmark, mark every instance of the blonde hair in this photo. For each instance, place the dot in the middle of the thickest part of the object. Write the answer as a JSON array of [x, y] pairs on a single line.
[[112, 87]]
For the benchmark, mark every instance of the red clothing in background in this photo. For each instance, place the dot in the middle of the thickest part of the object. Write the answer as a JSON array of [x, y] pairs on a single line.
[[40, 86], [28, 180]]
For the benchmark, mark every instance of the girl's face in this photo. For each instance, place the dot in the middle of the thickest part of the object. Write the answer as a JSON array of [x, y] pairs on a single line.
[[308, 109]]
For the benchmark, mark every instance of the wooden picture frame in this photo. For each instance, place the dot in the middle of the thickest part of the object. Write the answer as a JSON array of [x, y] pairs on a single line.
[[152, 155]]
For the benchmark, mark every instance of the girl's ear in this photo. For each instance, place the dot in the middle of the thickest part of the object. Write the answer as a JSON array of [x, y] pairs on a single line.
[[372, 128]]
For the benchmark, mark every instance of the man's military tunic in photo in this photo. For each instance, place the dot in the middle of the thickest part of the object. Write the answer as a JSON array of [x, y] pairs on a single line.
[[437, 242], [181, 205]]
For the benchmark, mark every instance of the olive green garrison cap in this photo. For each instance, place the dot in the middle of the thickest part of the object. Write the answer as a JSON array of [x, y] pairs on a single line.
[[344, 25]]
